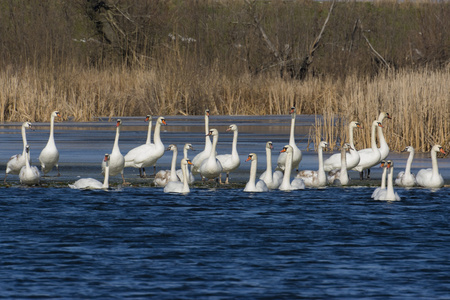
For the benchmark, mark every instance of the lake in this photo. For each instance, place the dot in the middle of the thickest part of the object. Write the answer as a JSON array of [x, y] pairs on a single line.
[[216, 242]]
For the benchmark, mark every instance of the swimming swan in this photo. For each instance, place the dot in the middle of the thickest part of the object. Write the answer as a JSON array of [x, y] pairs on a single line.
[[177, 186], [369, 157], [29, 175], [342, 174], [334, 161], [211, 167], [230, 162], [252, 185], [297, 154], [389, 194], [199, 158], [163, 177], [315, 178], [16, 162], [190, 176], [272, 180], [382, 187], [406, 178], [431, 178], [286, 184], [116, 159]]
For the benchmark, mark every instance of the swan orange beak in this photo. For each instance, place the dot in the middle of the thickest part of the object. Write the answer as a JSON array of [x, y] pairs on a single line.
[[164, 122], [189, 162], [359, 125], [442, 151], [228, 129], [249, 158], [380, 125], [147, 118], [283, 150], [271, 146], [118, 124], [388, 116]]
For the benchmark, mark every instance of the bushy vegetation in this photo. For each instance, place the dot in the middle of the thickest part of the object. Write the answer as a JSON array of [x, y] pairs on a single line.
[[92, 58]]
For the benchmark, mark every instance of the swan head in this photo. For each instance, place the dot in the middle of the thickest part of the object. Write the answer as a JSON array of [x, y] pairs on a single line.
[[56, 114], [161, 120], [323, 144], [390, 164], [213, 132], [106, 158], [408, 149], [119, 123], [347, 147], [269, 145], [383, 164], [384, 115], [207, 112], [292, 111], [186, 161], [377, 123], [287, 149], [188, 146], [232, 127], [355, 124], [26, 125], [148, 118], [172, 147], [438, 148], [252, 156]]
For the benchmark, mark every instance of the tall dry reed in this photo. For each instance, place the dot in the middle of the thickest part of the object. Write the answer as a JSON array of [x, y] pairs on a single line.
[[417, 100]]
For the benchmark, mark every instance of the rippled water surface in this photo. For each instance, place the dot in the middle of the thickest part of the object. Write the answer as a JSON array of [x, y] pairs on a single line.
[[216, 242]]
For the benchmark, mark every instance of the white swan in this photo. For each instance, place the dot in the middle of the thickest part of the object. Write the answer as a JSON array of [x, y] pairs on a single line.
[[230, 162], [382, 187], [369, 157], [148, 119], [49, 156], [384, 148], [406, 178], [431, 178], [148, 154], [165, 176], [211, 167], [190, 176], [252, 185], [334, 161], [91, 183], [16, 162], [274, 180], [342, 174], [286, 184], [177, 186], [297, 154], [315, 178], [29, 175], [199, 158], [389, 194], [116, 159]]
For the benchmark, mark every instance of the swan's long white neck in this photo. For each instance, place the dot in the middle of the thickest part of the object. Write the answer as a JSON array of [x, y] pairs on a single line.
[[373, 141], [321, 172], [116, 140], [344, 175], [212, 155], [390, 195], [149, 132], [292, 133], [207, 139], [434, 164], [27, 160], [269, 175], [185, 150], [234, 146], [383, 144], [253, 167], [184, 170], [157, 136], [409, 162], [24, 139], [106, 180], [52, 125], [350, 136], [383, 178], [173, 167], [286, 183]]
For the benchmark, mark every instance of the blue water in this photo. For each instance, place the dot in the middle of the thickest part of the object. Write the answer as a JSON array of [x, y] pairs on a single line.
[[139, 243]]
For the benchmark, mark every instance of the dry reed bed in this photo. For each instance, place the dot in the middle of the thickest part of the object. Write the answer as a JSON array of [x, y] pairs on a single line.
[[417, 100]]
